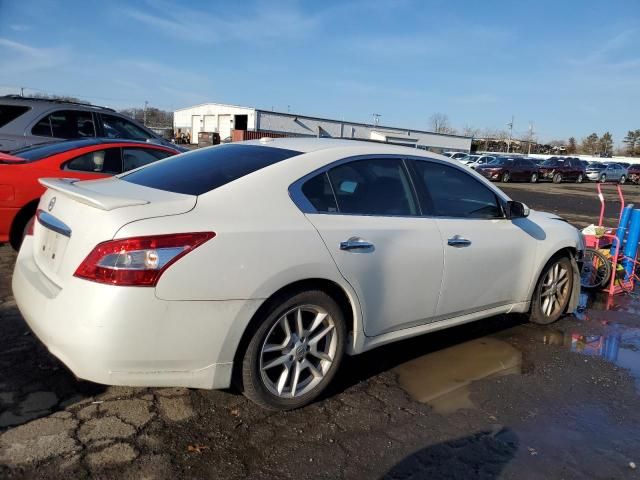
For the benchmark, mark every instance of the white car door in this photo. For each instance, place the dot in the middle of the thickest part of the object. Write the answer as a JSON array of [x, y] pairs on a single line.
[[488, 258], [368, 217]]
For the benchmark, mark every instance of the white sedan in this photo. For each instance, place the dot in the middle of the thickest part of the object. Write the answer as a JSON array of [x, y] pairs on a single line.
[[262, 263]]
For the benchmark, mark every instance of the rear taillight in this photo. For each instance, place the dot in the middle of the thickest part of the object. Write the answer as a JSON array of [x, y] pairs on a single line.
[[138, 261], [28, 230]]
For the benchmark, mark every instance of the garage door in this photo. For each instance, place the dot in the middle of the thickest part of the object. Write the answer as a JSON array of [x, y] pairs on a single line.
[[224, 126], [210, 123]]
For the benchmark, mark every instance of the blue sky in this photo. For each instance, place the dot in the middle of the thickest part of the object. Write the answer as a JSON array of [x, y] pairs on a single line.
[[570, 67]]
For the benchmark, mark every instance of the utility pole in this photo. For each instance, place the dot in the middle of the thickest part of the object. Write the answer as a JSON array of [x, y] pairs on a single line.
[[510, 125], [530, 137], [144, 114], [376, 119], [22, 91]]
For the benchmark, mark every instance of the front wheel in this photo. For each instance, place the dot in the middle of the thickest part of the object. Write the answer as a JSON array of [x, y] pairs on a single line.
[[506, 177], [623, 179], [534, 178], [553, 291], [557, 178], [603, 178], [580, 178], [295, 352]]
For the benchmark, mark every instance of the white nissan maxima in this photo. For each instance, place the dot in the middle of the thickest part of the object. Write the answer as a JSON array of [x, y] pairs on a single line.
[[262, 263]]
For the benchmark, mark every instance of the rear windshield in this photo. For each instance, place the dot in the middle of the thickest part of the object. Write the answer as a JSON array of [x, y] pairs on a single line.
[[200, 171], [38, 152], [8, 113]]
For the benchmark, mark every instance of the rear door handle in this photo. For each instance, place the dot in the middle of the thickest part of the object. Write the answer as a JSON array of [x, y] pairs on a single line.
[[458, 242], [356, 244]]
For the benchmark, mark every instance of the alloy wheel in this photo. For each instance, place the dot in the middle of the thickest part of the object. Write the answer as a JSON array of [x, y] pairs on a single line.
[[603, 178], [623, 179], [555, 290], [579, 179], [534, 178], [298, 351]]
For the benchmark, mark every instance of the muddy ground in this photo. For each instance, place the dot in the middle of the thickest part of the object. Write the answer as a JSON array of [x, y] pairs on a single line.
[[500, 399]]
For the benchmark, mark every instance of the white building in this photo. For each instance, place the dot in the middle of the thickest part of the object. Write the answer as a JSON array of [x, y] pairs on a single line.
[[215, 117]]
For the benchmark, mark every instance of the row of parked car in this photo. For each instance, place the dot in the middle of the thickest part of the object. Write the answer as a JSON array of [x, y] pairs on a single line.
[[554, 169]]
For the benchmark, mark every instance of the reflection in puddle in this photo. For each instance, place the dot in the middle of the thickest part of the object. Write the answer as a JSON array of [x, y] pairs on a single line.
[[619, 345], [442, 378]]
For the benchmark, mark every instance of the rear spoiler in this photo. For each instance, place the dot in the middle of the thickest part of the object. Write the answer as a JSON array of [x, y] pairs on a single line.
[[68, 187]]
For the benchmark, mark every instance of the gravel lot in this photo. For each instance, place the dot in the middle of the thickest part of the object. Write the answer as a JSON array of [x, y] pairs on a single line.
[[517, 401]]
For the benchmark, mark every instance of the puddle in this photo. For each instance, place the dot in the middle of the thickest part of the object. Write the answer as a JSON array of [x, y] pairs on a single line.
[[619, 344], [441, 379]]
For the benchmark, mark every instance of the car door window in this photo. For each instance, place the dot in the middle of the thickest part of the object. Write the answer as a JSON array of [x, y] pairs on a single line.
[[319, 192], [450, 192], [99, 161], [139, 157], [117, 127], [378, 186], [66, 124]]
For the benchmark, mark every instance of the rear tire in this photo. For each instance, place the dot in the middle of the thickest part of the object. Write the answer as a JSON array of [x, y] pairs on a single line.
[[553, 291], [557, 178], [580, 178], [306, 358], [506, 177], [603, 178], [623, 179], [534, 178]]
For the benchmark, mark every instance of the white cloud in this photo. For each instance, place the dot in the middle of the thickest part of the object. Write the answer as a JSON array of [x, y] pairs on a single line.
[[20, 57], [271, 22]]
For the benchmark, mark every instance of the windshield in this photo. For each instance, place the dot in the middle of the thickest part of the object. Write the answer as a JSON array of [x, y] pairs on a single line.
[[500, 161], [556, 162]]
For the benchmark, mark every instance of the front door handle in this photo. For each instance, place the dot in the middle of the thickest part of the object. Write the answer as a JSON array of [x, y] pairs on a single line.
[[458, 242], [356, 244]]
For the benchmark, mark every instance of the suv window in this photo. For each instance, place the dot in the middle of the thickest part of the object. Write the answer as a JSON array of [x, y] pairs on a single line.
[[8, 113], [117, 127], [373, 187], [450, 192], [319, 192], [99, 161], [200, 171], [138, 157], [66, 124]]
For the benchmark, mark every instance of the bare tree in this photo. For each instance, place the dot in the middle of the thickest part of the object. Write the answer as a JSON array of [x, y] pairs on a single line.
[[440, 123], [469, 131]]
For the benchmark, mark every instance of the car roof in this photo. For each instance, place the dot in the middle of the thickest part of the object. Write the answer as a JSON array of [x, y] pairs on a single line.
[[30, 101], [308, 144]]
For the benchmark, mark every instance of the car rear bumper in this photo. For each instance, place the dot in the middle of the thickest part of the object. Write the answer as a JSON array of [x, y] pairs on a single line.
[[126, 335], [593, 175]]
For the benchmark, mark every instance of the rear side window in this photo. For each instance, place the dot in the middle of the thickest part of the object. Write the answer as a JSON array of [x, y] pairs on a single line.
[[318, 191], [66, 124], [139, 157], [99, 161], [116, 127], [8, 113], [450, 192], [373, 187], [200, 171]]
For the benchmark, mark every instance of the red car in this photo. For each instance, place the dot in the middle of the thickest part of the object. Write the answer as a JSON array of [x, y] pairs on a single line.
[[634, 173], [82, 159], [560, 169], [506, 169]]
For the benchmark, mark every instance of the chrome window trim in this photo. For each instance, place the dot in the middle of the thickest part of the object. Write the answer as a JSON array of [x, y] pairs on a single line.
[[52, 223], [306, 207]]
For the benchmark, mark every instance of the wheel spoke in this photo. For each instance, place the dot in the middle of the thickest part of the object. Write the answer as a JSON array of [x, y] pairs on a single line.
[[282, 381], [562, 273], [563, 281], [284, 323], [321, 335], [299, 326], [314, 371], [320, 355], [317, 321], [272, 347], [276, 361], [296, 378], [546, 293]]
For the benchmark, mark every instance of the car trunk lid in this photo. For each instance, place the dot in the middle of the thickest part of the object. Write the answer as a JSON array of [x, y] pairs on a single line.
[[74, 216]]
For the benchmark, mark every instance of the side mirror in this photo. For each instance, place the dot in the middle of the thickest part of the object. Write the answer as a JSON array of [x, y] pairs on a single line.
[[517, 210]]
